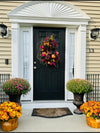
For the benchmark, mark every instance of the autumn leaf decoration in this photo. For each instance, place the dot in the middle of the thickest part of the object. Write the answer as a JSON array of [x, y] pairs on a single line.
[[48, 51]]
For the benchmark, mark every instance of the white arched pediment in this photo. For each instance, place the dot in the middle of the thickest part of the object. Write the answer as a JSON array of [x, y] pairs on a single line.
[[48, 9]]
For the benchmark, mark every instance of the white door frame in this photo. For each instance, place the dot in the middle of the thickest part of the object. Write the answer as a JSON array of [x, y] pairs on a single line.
[[78, 50], [27, 23]]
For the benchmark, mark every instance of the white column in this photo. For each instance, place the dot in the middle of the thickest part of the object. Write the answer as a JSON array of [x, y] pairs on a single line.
[[15, 49], [80, 53]]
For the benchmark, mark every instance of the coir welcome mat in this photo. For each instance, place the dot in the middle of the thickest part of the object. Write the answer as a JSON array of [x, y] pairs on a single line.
[[51, 112]]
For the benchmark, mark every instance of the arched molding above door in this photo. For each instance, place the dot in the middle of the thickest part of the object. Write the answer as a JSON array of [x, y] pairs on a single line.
[[49, 11]]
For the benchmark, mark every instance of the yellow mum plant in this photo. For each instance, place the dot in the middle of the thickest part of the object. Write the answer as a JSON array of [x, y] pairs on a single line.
[[91, 109], [10, 110]]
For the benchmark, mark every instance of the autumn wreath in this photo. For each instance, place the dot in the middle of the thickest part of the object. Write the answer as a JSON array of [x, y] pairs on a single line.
[[48, 51]]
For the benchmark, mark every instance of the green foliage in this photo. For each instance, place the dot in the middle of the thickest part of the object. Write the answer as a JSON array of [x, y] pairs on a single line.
[[16, 86], [79, 86]]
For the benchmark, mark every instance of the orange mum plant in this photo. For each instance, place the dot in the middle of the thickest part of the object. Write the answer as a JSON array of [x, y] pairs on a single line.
[[10, 110], [91, 109]]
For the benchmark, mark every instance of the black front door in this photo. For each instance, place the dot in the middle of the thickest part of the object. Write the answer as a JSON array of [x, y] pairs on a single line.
[[48, 81]]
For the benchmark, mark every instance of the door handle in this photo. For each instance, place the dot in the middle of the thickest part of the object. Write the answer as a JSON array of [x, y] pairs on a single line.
[[35, 67], [73, 71]]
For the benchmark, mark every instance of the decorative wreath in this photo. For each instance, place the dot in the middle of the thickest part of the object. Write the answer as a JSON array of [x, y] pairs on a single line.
[[48, 51]]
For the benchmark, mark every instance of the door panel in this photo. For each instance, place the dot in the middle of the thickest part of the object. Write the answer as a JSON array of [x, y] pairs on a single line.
[[49, 81]]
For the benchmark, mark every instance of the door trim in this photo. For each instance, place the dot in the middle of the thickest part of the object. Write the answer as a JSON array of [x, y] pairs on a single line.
[[80, 47], [67, 31]]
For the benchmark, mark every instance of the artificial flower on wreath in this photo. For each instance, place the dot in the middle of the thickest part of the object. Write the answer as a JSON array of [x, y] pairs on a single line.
[[48, 51]]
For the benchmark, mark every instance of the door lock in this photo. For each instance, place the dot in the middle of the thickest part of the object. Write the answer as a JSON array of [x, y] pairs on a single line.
[[34, 67]]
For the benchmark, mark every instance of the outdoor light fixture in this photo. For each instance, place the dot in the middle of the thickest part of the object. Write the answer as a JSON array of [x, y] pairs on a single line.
[[6, 61], [94, 33], [3, 30]]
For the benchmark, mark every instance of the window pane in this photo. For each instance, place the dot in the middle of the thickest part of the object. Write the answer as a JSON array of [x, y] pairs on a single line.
[[26, 55], [71, 54]]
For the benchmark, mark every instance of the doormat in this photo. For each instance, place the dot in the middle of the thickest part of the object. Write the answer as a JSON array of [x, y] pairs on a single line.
[[51, 112]]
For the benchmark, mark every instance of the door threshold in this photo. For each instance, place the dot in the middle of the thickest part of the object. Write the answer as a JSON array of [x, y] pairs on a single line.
[[45, 104], [48, 101]]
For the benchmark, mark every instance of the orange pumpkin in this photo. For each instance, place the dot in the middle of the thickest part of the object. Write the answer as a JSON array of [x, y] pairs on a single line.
[[43, 52], [53, 60], [53, 56]]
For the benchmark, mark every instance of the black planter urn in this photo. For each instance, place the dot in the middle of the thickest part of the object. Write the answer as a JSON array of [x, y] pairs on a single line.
[[15, 98], [78, 101]]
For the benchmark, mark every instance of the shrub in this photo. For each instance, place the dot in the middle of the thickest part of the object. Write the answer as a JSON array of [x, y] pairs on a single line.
[[79, 86], [16, 86]]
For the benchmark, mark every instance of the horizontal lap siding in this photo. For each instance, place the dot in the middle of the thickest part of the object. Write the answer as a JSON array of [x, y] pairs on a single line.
[[91, 8], [5, 43]]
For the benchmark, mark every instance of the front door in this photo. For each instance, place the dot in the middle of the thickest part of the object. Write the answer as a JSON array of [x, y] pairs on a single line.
[[49, 81]]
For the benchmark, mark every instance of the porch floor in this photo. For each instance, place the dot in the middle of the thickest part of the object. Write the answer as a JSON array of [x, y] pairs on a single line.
[[71, 123]]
